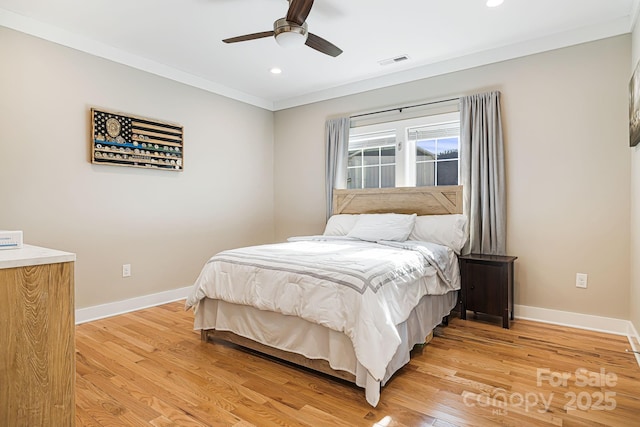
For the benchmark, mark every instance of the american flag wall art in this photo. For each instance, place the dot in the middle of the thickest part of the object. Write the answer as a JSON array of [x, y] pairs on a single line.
[[122, 139]]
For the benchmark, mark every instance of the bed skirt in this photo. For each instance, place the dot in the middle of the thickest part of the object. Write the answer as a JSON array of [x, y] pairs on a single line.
[[314, 341]]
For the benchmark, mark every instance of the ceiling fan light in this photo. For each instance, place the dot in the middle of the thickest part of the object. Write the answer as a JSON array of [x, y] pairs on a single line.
[[494, 3], [289, 34], [291, 39]]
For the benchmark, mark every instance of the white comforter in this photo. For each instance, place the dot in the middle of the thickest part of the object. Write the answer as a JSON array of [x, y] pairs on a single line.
[[359, 288]]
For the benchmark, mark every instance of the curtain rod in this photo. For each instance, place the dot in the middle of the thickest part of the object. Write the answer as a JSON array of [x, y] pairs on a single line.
[[399, 109]]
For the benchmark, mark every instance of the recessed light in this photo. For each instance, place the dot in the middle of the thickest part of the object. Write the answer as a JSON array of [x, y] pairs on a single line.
[[275, 70], [494, 3]]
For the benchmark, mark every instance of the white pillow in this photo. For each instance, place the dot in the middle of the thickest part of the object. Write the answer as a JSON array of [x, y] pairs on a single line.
[[340, 224], [447, 230], [374, 227]]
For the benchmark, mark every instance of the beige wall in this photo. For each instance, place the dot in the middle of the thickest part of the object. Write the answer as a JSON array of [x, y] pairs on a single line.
[[635, 205], [165, 224], [568, 169]]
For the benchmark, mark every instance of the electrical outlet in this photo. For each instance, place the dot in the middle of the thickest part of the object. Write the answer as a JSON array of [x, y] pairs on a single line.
[[126, 270], [581, 280]]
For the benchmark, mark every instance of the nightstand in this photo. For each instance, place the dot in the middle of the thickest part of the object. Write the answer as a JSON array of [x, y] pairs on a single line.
[[487, 285]]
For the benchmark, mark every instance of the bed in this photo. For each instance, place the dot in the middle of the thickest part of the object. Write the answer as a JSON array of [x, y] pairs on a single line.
[[351, 302]]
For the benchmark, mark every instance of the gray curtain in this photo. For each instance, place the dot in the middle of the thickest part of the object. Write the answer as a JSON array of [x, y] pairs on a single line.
[[337, 147], [482, 173]]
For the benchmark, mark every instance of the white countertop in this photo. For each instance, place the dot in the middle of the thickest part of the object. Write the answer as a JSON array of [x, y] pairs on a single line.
[[33, 255]]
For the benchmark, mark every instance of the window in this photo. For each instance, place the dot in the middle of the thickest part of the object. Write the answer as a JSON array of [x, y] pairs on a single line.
[[422, 151], [437, 153], [372, 161]]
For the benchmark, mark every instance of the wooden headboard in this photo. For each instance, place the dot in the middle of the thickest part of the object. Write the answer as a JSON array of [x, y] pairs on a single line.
[[408, 200]]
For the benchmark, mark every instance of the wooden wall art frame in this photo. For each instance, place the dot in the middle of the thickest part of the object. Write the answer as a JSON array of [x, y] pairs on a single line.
[[121, 139], [634, 107]]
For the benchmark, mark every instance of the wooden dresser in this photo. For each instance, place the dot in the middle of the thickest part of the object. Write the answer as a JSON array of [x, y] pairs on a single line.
[[37, 341]]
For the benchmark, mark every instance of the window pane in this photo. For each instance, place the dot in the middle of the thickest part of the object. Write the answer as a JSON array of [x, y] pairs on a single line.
[[372, 156], [426, 150], [388, 177], [354, 178], [448, 172], [425, 174], [448, 148], [371, 177], [388, 155], [355, 158]]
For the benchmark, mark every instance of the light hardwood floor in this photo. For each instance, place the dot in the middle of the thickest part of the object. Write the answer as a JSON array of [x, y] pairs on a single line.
[[150, 368]]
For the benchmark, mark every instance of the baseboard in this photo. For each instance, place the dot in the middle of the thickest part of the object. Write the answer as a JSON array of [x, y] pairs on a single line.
[[88, 314], [582, 321], [634, 340], [537, 314], [575, 320]]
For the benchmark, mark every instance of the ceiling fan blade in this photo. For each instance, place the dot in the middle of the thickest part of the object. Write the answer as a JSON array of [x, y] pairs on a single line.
[[299, 10], [321, 45], [249, 37]]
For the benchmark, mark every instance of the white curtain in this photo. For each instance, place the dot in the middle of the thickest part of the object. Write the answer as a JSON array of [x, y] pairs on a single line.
[[337, 148], [482, 173]]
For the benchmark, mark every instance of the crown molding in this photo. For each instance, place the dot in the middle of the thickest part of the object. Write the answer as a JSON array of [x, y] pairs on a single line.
[[443, 66], [449, 65], [62, 37]]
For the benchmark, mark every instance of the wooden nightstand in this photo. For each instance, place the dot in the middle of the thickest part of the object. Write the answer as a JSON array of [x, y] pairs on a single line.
[[487, 286]]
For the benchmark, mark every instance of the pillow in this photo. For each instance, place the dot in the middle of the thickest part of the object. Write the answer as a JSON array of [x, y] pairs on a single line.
[[447, 230], [374, 227], [340, 225]]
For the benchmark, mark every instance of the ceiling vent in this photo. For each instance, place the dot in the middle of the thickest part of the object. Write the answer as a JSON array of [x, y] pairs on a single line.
[[395, 60]]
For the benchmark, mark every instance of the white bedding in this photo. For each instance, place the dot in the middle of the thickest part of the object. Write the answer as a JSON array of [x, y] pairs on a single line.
[[361, 289]]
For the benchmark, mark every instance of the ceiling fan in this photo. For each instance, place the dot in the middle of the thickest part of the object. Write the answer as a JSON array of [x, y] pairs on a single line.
[[292, 31]]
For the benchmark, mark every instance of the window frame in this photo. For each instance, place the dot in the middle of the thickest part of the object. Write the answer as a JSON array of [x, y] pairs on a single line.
[[405, 149]]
